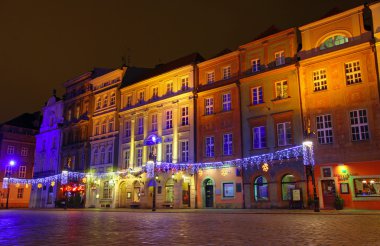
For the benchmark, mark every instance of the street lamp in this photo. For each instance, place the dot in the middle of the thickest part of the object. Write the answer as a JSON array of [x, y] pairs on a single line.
[[11, 164], [309, 162], [153, 140]]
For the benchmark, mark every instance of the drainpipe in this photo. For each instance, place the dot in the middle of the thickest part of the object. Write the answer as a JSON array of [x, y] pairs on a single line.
[[195, 111]]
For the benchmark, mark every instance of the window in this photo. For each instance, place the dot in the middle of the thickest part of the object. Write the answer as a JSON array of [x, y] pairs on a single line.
[[140, 127], [128, 128], [69, 114], [97, 126], [139, 157], [113, 99], [367, 187], [284, 133], [129, 101], [210, 147], [287, 185], [105, 102], [96, 157], [169, 191], [169, 119], [110, 155], [260, 189], [210, 77], [155, 92], [24, 151], [20, 193], [185, 151], [282, 89], [353, 73], [169, 87], [185, 83], [324, 129], [107, 191], [102, 156], [168, 152], [228, 190], [104, 127], [280, 58], [227, 72], [320, 80], [98, 103], [126, 158], [141, 96], [333, 41], [227, 144], [10, 149], [257, 95], [111, 125], [259, 137], [209, 106], [255, 65], [226, 102], [185, 116], [8, 170], [359, 125], [77, 112], [22, 172], [154, 122]]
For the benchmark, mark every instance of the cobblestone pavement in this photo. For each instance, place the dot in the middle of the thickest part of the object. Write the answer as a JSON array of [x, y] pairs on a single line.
[[190, 227]]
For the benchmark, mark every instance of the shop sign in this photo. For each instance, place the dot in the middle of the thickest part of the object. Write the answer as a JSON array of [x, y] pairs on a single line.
[[344, 176]]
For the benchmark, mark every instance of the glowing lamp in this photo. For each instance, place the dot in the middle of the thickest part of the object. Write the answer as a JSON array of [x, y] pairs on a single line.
[[27, 186], [17, 185], [12, 163], [39, 185], [265, 167], [52, 183], [307, 143]]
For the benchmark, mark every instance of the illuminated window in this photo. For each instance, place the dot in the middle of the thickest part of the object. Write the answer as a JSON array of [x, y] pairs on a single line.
[[126, 158], [24, 151], [184, 151], [169, 191], [129, 101], [185, 116], [359, 125], [367, 187], [139, 157], [320, 80], [287, 185], [169, 87], [353, 72], [209, 106], [228, 190], [260, 188], [255, 65], [226, 72], [128, 128], [77, 112], [140, 127], [107, 190], [210, 77], [185, 83], [98, 103], [113, 99], [169, 119], [226, 102], [210, 147], [333, 41], [280, 58], [282, 89], [284, 133], [141, 96], [20, 193], [324, 129], [154, 122], [22, 172], [257, 95], [259, 137], [155, 92], [227, 144], [69, 114], [105, 102], [10, 149], [168, 152]]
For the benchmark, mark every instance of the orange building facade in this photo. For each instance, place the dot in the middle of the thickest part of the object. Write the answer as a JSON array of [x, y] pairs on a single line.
[[340, 99], [219, 132]]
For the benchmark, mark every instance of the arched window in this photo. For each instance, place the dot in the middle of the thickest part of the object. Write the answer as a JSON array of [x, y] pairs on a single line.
[[333, 41], [113, 99], [105, 102], [102, 156], [98, 103], [287, 184], [97, 126], [104, 127], [169, 191], [110, 125], [260, 189]]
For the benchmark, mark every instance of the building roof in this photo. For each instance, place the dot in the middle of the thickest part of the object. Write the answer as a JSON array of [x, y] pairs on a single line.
[[26, 120], [138, 74], [97, 72]]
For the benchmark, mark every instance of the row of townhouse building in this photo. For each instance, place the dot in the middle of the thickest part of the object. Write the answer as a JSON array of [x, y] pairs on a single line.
[[319, 81]]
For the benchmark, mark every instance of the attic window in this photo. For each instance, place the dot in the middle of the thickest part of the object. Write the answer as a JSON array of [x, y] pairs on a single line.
[[333, 41]]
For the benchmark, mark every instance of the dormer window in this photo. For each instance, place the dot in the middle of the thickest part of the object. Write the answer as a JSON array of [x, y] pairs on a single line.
[[333, 41]]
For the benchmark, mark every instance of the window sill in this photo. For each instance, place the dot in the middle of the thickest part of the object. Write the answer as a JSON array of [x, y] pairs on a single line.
[[316, 91], [280, 100]]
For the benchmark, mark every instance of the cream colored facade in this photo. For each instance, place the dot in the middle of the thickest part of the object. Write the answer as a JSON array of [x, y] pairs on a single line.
[[163, 105]]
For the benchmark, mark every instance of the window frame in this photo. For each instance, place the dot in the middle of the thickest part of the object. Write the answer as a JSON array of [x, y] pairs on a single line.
[[324, 129], [359, 125], [227, 101]]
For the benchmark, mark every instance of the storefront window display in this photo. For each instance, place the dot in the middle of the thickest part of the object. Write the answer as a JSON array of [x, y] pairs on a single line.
[[367, 187], [287, 184], [169, 190], [261, 189], [228, 190]]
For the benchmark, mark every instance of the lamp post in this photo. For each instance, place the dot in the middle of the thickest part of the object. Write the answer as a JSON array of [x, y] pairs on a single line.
[[309, 162], [153, 140], [11, 164]]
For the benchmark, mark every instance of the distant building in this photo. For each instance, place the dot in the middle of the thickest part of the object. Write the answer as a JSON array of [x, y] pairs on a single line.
[[17, 143]]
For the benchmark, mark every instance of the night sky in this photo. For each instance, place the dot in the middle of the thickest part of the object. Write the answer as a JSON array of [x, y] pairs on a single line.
[[44, 43]]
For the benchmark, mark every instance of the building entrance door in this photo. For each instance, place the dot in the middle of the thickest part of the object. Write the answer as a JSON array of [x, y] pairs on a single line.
[[209, 193], [123, 196], [328, 193]]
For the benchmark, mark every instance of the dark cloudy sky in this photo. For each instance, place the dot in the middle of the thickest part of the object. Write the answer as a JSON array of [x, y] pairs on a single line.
[[44, 43]]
